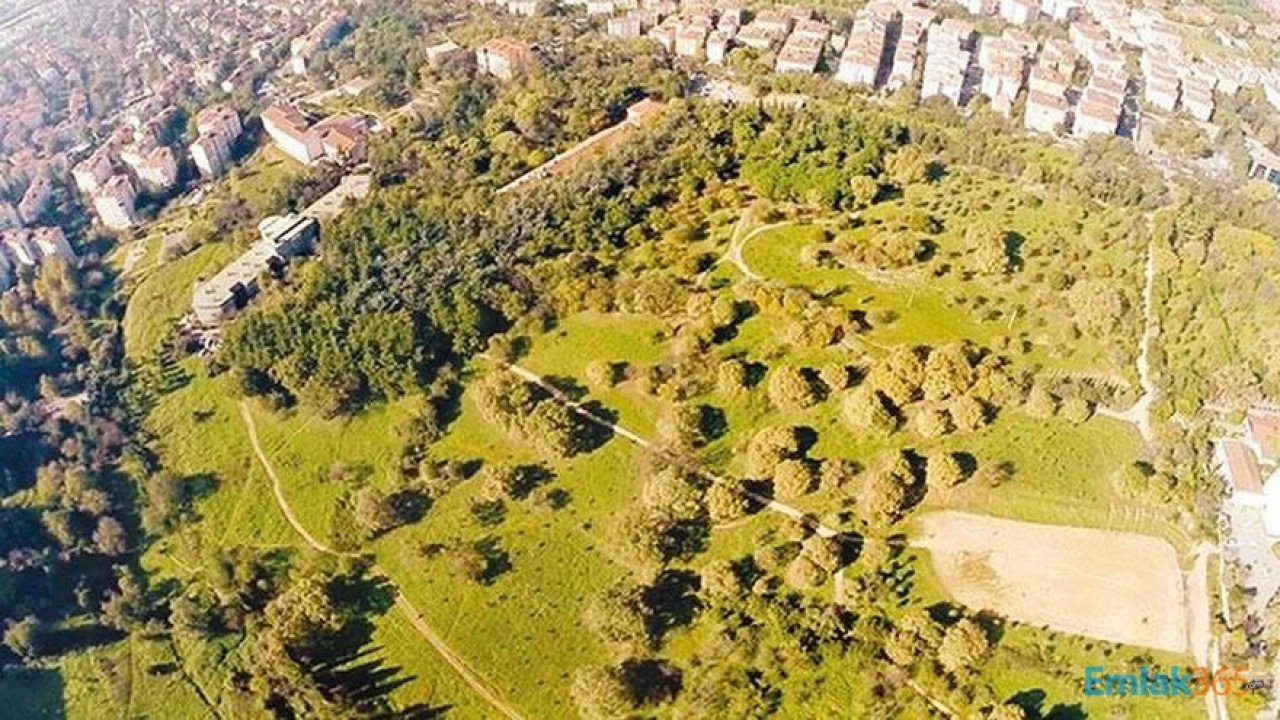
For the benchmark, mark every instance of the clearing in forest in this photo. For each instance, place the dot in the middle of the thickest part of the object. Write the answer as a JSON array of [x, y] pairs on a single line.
[[1119, 587]]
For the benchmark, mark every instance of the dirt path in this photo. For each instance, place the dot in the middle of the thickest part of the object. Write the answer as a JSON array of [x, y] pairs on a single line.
[[403, 604], [278, 491], [1199, 630], [578, 409], [1139, 415]]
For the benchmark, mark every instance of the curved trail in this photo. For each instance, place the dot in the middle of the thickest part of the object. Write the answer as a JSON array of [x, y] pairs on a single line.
[[403, 604], [1139, 415], [278, 491], [578, 409]]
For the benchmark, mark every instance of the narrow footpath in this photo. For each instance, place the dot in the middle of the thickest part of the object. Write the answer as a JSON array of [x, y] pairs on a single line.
[[403, 604]]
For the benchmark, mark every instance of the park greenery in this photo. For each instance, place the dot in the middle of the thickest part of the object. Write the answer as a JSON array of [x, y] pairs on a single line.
[[863, 311]]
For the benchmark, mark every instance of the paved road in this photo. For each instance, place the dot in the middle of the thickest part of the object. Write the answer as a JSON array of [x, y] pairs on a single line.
[[403, 604]]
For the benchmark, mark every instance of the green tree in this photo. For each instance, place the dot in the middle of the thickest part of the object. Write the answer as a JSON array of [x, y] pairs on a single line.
[[719, 583], [770, 446], [109, 537], [601, 693], [963, 647], [1076, 410], [620, 616], [943, 471], [26, 637], [932, 421], [967, 413], [726, 503], [731, 377], [792, 479], [790, 389], [947, 373], [862, 191], [864, 410]]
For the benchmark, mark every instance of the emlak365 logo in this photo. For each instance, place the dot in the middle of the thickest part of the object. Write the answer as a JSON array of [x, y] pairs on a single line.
[[1175, 682]]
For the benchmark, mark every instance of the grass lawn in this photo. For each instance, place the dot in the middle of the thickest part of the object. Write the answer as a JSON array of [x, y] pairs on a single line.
[[256, 177], [133, 678], [165, 296], [558, 561]]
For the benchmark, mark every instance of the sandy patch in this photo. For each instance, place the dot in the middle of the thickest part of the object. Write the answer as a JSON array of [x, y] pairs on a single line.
[[1114, 586]]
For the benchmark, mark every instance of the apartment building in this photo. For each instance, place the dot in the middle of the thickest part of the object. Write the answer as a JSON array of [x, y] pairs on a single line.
[[219, 128], [505, 57], [948, 52], [116, 203]]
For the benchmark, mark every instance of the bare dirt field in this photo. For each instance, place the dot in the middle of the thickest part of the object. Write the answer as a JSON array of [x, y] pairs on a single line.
[[1114, 586]]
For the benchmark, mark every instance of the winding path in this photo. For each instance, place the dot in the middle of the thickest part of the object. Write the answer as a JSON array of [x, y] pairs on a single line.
[[403, 604], [580, 410], [1139, 415]]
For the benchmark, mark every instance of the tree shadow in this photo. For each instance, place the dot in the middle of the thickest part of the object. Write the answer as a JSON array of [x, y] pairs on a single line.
[[489, 513], [651, 681], [1067, 712], [566, 385], [593, 434], [755, 372], [363, 592], [712, 422], [672, 599], [1013, 243]]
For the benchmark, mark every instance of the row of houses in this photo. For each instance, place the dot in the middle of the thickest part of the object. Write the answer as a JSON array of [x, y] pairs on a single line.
[[133, 159]]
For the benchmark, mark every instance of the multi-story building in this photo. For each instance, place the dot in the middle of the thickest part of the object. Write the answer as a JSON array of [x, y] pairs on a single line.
[[690, 39], [505, 58], [1264, 165], [981, 8], [36, 200], [802, 51], [863, 60], [1003, 63], [282, 237], [438, 53], [1019, 12], [947, 57], [767, 30], [1161, 87], [323, 35], [29, 248], [9, 217], [916, 21], [288, 127], [1046, 112], [159, 169], [94, 171], [523, 8], [717, 47], [342, 136], [626, 26], [219, 128], [1197, 96], [1101, 104], [116, 203]]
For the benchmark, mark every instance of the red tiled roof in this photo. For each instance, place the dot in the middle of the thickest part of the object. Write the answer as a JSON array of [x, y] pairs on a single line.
[[1242, 467], [1264, 426]]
